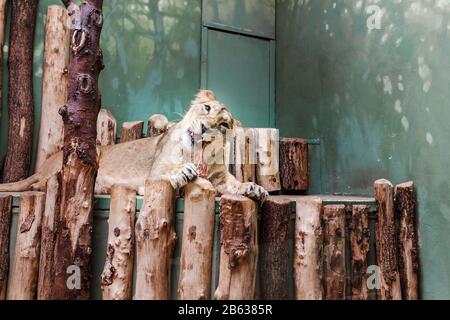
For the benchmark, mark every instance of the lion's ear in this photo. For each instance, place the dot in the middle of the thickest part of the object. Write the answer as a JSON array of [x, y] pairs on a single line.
[[205, 95]]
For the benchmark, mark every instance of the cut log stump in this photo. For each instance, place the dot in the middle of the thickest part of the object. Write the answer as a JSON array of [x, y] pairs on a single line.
[[275, 249], [245, 155], [25, 267], [157, 125], [405, 207], [268, 159], [132, 131], [106, 128], [386, 244], [197, 243], [155, 241], [5, 225], [294, 165], [116, 279], [239, 249]]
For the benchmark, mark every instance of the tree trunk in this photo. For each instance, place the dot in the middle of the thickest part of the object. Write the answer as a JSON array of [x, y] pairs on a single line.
[[74, 248], [294, 165], [245, 155], [386, 244], [20, 96], [106, 128], [48, 241], [334, 252], [54, 83], [268, 165], [25, 268], [405, 207], [3, 17], [157, 125], [197, 243], [239, 249], [5, 225], [155, 240], [275, 230], [359, 248], [118, 272], [308, 249], [131, 131]]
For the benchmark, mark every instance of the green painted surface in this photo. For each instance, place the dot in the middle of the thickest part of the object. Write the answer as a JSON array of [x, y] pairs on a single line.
[[378, 101]]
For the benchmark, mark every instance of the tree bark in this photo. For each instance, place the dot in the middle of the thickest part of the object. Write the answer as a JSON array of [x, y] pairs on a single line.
[[155, 241], [25, 268], [308, 249], [5, 225], [48, 241], [117, 275], [131, 131], [239, 249], [386, 244], [106, 128], [197, 243], [20, 95], [157, 125], [334, 252], [54, 85], [276, 224], [245, 155], [268, 165], [359, 248], [405, 207], [74, 248], [3, 17], [294, 165]]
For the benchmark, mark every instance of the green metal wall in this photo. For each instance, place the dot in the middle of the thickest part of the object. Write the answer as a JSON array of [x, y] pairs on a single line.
[[378, 100]]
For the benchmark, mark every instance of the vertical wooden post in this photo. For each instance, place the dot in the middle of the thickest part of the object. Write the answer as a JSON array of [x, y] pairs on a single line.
[[334, 252], [294, 164], [117, 275], [359, 248], [106, 128], [245, 155], [24, 276], [155, 241], [131, 131], [268, 157], [197, 243], [157, 125], [386, 243], [54, 83], [405, 207], [239, 249], [48, 241], [275, 247], [5, 225], [3, 16], [308, 249]]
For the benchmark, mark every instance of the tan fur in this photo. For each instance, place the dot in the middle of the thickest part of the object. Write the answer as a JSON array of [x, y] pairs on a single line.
[[170, 156]]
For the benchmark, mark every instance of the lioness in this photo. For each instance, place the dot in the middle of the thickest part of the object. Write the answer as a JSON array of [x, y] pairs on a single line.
[[177, 155]]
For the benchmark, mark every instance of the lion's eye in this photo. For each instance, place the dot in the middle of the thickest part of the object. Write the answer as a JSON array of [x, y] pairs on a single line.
[[207, 108]]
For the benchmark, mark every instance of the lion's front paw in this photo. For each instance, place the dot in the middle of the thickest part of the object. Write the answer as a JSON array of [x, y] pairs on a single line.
[[187, 174], [255, 192]]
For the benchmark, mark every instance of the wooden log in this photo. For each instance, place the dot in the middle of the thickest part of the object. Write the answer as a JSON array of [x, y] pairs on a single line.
[[334, 272], [294, 165], [308, 249], [245, 155], [239, 248], [116, 279], [268, 165], [3, 17], [155, 242], [359, 248], [131, 131], [5, 225], [197, 244], [106, 128], [54, 83], [25, 267], [20, 93], [48, 240], [157, 125], [386, 244], [405, 207], [275, 249]]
